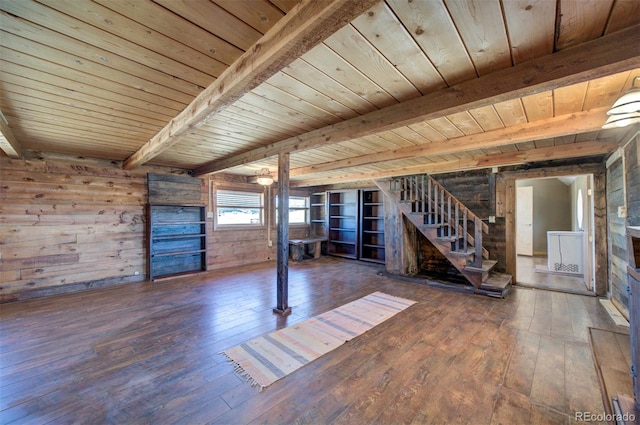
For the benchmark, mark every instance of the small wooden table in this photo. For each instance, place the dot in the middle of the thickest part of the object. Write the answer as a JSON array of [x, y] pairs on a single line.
[[296, 247]]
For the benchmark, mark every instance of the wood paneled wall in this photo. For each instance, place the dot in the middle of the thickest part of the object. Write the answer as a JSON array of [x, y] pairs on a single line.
[[73, 223], [632, 181], [632, 169], [70, 223], [617, 240], [476, 189]]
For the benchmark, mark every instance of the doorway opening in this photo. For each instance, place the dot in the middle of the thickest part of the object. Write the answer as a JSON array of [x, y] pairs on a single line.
[[554, 233]]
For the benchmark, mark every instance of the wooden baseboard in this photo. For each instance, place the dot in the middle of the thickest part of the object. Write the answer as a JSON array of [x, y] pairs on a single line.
[[70, 288]]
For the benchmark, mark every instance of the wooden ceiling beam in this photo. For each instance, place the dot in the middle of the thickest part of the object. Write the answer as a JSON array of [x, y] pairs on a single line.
[[577, 123], [607, 55], [306, 25], [573, 150], [8, 143]]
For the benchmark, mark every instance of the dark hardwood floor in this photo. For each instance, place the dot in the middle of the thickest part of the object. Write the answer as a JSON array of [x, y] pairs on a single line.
[[148, 354]]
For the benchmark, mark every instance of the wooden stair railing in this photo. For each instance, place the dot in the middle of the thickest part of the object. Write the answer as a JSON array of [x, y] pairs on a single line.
[[427, 197], [455, 230]]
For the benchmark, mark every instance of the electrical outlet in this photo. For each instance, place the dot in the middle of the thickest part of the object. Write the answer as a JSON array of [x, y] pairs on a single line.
[[622, 212], [492, 219], [270, 243], [136, 273], [209, 214]]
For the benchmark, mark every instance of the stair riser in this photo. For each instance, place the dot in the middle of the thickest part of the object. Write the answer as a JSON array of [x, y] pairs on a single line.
[[437, 230]]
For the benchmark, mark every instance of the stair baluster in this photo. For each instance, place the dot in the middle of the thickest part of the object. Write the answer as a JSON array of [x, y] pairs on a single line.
[[442, 210], [423, 195], [449, 228], [464, 228], [477, 224], [457, 224], [429, 210]]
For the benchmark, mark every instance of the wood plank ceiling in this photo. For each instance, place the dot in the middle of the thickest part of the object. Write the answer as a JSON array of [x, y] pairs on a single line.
[[102, 77]]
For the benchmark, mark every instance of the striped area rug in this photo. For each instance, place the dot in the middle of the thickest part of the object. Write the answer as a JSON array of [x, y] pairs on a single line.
[[265, 359]]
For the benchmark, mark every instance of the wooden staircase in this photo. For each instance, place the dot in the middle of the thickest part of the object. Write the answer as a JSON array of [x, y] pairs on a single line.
[[450, 226]]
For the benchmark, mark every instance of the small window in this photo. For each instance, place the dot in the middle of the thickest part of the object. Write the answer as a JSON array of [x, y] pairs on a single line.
[[298, 209], [238, 208]]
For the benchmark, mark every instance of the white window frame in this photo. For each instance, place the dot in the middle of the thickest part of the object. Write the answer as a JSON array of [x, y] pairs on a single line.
[[240, 192], [306, 208]]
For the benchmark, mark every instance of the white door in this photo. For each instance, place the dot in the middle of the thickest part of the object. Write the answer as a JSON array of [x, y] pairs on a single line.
[[524, 220], [588, 212]]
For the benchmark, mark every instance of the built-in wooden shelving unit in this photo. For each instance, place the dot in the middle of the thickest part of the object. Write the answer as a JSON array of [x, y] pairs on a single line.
[[318, 215], [372, 226], [177, 240], [343, 224], [356, 224]]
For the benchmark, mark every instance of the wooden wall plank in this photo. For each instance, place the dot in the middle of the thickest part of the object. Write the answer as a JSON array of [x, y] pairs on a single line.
[[71, 223], [174, 190], [55, 232], [617, 241]]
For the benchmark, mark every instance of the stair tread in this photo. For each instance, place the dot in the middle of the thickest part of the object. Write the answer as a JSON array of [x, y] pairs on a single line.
[[435, 232], [446, 238], [487, 265], [469, 251], [496, 281]]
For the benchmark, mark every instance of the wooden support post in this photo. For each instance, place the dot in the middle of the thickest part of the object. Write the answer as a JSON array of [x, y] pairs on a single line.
[[282, 290]]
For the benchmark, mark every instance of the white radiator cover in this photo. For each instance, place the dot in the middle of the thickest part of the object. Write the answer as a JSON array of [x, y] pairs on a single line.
[[565, 252]]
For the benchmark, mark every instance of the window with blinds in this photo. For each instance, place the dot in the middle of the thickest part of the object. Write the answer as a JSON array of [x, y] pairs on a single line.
[[239, 208], [298, 209]]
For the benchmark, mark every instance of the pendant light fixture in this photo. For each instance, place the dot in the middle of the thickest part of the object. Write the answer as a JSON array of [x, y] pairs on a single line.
[[264, 178], [625, 110]]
